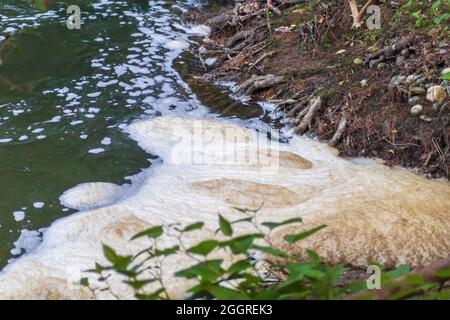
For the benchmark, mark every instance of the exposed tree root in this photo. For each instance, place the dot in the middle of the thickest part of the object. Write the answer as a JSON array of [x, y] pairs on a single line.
[[305, 124], [340, 130], [260, 82]]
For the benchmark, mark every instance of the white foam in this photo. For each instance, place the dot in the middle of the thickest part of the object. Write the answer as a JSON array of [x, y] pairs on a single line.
[[96, 150], [177, 45], [106, 141], [19, 215], [38, 205], [28, 241], [38, 130], [91, 195], [370, 210]]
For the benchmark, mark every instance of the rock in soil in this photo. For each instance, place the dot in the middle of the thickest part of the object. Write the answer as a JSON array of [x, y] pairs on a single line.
[[436, 94], [416, 110]]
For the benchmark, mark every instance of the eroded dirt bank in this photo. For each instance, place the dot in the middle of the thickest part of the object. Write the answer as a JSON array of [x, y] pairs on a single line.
[[371, 93]]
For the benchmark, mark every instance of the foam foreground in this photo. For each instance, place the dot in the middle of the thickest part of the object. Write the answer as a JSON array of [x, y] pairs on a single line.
[[372, 212]]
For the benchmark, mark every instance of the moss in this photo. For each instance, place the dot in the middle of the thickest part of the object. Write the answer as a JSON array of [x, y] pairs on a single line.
[[326, 41], [326, 93]]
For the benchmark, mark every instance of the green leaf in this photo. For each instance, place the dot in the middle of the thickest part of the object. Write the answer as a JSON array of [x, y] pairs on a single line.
[[243, 243], [223, 293], [298, 271], [436, 5], [205, 247], [300, 295], [313, 256], [194, 226], [273, 225], [440, 295], [154, 233], [225, 226], [84, 282], [156, 295], [110, 254], [446, 76], [119, 262], [400, 271], [305, 269], [139, 284], [239, 266], [293, 238], [166, 252], [207, 271], [443, 273], [272, 251], [43, 5]]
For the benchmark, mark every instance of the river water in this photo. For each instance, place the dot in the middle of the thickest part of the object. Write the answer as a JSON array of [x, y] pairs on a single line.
[[65, 96]]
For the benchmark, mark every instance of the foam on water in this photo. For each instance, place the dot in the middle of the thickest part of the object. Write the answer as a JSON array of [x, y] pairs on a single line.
[[371, 210]]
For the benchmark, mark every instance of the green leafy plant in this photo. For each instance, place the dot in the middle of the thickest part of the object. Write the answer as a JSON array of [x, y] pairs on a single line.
[[437, 13], [42, 5], [259, 270]]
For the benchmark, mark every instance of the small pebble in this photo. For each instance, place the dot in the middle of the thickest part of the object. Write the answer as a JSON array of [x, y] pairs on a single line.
[[416, 110], [364, 83], [426, 119], [417, 91]]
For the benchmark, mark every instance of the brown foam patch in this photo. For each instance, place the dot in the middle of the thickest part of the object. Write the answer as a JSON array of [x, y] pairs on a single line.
[[292, 160], [48, 288], [125, 228], [392, 231], [248, 194]]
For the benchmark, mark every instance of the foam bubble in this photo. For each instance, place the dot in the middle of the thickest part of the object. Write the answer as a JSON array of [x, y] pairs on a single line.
[[19, 215], [177, 45], [106, 141], [90, 195], [38, 205], [96, 150]]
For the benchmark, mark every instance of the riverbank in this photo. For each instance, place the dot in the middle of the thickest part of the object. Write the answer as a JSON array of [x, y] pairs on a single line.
[[369, 93]]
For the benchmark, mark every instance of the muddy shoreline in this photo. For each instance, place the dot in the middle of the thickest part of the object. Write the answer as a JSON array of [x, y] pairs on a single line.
[[341, 85]]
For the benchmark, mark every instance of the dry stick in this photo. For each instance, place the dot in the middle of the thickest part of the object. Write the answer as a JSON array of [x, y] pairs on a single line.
[[300, 115], [427, 272], [264, 56], [340, 130], [316, 104], [302, 102], [255, 83], [294, 110]]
